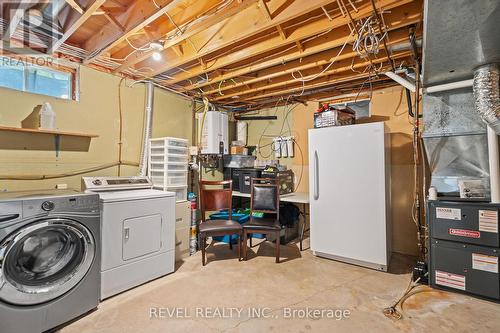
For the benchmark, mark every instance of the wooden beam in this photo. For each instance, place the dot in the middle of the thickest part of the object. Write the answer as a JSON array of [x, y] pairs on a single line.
[[281, 32], [137, 57], [138, 15], [399, 17], [265, 10], [231, 31], [299, 46], [305, 63], [95, 5], [348, 80], [75, 5], [114, 22], [345, 65]]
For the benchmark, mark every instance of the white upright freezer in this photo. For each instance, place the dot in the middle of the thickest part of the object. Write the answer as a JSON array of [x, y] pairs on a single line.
[[349, 188]]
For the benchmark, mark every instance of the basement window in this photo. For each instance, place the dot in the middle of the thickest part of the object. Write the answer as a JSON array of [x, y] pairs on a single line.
[[25, 76]]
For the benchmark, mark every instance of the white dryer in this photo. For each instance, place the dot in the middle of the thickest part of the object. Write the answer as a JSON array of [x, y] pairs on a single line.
[[138, 231]]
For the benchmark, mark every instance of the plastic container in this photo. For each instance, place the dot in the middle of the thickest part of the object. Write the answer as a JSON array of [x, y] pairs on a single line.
[[180, 192], [47, 117], [238, 217]]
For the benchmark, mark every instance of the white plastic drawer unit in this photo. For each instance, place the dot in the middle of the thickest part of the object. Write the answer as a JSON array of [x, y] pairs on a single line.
[[135, 230]]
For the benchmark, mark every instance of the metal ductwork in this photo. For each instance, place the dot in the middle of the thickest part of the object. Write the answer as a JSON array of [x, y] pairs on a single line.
[[487, 95], [148, 129]]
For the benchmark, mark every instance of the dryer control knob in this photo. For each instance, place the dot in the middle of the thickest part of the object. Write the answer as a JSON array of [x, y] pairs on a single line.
[[48, 206]]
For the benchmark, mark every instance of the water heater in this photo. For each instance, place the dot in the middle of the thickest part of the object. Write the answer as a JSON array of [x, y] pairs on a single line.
[[213, 129]]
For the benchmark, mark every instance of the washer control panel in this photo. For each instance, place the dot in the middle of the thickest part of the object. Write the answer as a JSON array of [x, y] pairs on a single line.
[[83, 203], [99, 184]]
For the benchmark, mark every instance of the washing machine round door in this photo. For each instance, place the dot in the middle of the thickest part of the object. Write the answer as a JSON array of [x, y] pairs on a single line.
[[44, 260]]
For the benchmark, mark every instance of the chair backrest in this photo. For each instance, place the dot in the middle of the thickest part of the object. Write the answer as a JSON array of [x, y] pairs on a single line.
[[219, 196], [265, 196]]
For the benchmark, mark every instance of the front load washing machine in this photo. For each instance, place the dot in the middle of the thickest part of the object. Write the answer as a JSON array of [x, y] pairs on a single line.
[[138, 231], [49, 258]]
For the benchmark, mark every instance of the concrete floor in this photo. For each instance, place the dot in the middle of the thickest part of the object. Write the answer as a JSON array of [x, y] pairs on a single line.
[[300, 282]]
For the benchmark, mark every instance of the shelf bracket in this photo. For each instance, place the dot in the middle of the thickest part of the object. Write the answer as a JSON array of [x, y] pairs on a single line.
[[57, 144]]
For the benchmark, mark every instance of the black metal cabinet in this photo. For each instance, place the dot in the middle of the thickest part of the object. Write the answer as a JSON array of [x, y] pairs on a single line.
[[464, 247]]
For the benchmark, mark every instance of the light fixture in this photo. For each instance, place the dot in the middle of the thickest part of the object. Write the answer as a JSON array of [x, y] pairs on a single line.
[[156, 55], [156, 47]]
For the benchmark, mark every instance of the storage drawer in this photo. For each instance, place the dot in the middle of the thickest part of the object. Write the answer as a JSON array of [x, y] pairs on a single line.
[[177, 181], [168, 141], [176, 142], [180, 192], [468, 268], [177, 151], [466, 222], [177, 159], [158, 158], [176, 167]]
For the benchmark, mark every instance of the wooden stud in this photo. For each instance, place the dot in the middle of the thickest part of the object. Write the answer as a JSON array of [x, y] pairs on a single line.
[[249, 23], [114, 22], [411, 12], [281, 32], [138, 15], [287, 80], [318, 59], [226, 14], [75, 6], [265, 10], [95, 5], [299, 46]]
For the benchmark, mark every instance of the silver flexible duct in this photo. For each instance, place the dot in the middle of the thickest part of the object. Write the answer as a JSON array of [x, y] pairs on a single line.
[[487, 95], [148, 128], [487, 102]]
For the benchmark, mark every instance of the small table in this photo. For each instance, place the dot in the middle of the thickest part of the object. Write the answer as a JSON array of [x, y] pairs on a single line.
[[301, 198]]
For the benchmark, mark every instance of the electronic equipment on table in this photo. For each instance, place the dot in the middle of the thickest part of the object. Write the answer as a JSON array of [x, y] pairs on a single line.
[[333, 115]]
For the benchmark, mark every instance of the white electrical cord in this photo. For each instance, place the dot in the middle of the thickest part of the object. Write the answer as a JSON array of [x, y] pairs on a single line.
[[310, 78]]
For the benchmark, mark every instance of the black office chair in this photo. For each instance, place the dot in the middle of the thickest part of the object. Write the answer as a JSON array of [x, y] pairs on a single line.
[[264, 198]]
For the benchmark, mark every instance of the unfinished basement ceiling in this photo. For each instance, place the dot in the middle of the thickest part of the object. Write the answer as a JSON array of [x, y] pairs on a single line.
[[242, 54]]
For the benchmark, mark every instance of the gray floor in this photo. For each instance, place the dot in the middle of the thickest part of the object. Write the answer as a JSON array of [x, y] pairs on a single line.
[[280, 291]]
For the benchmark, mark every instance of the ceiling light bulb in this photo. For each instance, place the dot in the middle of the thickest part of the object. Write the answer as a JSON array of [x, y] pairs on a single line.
[[156, 55]]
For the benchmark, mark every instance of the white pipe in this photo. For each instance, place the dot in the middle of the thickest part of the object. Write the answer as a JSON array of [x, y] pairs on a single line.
[[405, 83], [494, 162], [449, 86], [148, 126]]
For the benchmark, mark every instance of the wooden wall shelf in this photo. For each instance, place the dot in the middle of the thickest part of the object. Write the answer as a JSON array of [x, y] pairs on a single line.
[[74, 141], [42, 131]]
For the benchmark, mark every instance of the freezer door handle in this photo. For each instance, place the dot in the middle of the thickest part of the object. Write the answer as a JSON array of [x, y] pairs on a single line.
[[316, 175]]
